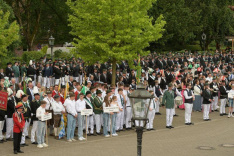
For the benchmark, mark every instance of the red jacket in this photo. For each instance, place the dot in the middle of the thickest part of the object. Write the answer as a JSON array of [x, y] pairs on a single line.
[[54, 93], [18, 126]]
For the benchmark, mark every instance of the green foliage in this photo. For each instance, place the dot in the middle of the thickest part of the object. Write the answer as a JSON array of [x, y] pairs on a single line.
[[8, 32], [32, 55], [63, 55], [57, 53], [112, 30], [44, 49]]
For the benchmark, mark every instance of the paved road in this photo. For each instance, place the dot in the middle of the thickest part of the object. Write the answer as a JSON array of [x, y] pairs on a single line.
[[183, 140]]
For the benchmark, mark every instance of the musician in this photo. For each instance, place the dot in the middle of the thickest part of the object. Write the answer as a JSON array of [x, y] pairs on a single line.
[[207, 100], [231, 101], [157, 93], [98, 110], [151, 80], [57, 73], [223, 97], [19, 124], [189, 98], [215, 89]]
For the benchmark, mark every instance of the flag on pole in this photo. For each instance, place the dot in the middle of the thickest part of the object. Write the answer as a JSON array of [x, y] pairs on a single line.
[[66, 90]]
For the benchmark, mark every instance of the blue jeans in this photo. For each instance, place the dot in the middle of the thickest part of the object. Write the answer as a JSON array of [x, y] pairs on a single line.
[[71, 125], [41, 127], [231, 101], [80, 125], [113, 123], [105, 123]]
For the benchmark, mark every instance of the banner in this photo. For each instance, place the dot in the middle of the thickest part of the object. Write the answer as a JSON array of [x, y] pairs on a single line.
[[45, 117], [3, 100], [86, 112]]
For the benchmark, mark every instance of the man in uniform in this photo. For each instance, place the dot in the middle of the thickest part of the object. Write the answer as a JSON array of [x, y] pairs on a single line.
[[98, 110], [35, 104]]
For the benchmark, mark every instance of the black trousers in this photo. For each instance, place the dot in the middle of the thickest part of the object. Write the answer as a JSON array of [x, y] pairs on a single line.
[[17, 140]]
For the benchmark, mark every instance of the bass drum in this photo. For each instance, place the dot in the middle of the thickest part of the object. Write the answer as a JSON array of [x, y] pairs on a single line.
[[178, 100]]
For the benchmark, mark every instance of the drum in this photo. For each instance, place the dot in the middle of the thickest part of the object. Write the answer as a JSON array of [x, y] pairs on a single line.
[[178, 100]]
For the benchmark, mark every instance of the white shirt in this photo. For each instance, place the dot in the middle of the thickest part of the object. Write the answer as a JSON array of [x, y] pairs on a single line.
[[80, 105], [186, 94], [119, 100], [71, 106], [125, 92], [40, 111], [49, 102], [58, 108], [231, 94], [210, 79]]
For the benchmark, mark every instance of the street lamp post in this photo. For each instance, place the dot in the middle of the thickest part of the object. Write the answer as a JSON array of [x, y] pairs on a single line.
[[51, 43], [204, 40], [140, 100]]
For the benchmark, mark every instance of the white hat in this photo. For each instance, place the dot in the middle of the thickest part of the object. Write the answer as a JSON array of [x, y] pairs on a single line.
[[19, 94], [35, 90], [30, 62], [9, 91]]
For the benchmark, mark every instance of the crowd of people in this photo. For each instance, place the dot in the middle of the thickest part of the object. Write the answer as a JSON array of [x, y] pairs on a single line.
[[66, 87]]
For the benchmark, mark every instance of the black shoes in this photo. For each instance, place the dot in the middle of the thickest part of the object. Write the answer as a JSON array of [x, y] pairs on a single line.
[[175, 115], [207, 119], [157, 113], [15, 152], [171, 126], [35, 143], [22, 145], [187, 124], [221, 114], [152, 129], [27, 137], [9, 139], [20, 151]]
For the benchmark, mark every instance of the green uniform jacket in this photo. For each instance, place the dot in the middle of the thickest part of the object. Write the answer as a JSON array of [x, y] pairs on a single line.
[[97, 108], [23, 71], [16, 71], [169, 98]]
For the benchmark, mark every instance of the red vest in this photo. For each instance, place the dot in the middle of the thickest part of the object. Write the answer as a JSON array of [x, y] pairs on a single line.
[[18, 123]]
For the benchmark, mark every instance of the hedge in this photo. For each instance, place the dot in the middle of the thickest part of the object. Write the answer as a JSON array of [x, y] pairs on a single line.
[[32, 55]]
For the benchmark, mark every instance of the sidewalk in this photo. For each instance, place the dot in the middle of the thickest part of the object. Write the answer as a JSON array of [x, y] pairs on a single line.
[[181, 141]]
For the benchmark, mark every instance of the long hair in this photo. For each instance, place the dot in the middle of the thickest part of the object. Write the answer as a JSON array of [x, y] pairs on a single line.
[[107, 100]]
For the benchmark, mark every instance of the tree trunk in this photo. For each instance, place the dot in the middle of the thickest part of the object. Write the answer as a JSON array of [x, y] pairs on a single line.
[[113, 79], [217, 46]]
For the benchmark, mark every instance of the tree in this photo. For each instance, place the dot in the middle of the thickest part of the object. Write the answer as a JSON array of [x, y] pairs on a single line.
[[182, 23], [113, 30], [9, 32]]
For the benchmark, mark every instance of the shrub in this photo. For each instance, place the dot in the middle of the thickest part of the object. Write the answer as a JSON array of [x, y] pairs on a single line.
[[32, 55]]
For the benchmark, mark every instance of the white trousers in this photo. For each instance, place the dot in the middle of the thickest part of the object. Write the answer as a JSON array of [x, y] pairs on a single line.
[[47, 82], [206, 111], [98, 122], [25, 131], [81, 79], [119, 120], [33, 131], [16, 80], [40, 79], [90, 124], [63, 81], [169, 116], [76, 78], [128, 117], [188, 112], [222, 106], [9, 128], [57, 81], [157, 106], [215, 103], [1, 128], [52, 81], [151, 115]]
